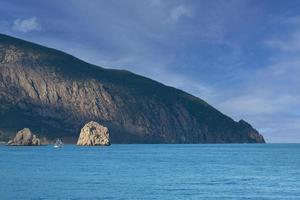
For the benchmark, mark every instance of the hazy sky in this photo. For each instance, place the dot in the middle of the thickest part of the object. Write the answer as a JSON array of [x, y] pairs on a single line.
[[243, 57]]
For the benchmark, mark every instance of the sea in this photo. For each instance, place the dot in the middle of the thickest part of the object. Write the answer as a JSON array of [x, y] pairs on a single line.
[[151, 171]]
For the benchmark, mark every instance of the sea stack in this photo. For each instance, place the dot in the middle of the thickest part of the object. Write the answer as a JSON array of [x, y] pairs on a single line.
[[25, 138], [93, 134]]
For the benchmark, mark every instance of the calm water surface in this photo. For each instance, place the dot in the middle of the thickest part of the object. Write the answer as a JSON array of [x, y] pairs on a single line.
[[269, 171]]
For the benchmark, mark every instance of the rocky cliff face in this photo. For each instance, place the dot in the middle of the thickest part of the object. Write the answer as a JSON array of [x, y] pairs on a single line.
[[55, 94]]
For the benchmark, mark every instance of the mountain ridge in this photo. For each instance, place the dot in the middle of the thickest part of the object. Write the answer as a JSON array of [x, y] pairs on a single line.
[[47, 85]]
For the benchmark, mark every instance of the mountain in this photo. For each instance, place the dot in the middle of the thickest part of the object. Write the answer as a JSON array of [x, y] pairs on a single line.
[[55, 94]]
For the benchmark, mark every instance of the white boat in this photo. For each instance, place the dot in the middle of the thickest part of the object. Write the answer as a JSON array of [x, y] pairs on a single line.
[[58, 143]]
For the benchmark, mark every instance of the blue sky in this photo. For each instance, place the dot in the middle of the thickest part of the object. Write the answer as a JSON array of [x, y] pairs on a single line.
[[240, 56]]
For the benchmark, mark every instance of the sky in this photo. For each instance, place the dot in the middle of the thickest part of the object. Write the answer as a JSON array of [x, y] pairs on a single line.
[[241, 56]]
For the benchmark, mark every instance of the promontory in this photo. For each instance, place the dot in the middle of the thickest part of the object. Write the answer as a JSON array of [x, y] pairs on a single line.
[[55, 94]]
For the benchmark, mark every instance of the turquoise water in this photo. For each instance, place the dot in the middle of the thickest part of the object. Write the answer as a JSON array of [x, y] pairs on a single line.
[[258, 171]]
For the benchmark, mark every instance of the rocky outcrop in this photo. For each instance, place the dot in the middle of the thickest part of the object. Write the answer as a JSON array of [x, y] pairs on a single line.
[[55, 94], [93, 134], [25, 138], [252, 135]]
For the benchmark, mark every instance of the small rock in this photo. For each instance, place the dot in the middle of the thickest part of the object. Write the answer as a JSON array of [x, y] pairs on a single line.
[[36, 141], [93, 134], [25, 138]]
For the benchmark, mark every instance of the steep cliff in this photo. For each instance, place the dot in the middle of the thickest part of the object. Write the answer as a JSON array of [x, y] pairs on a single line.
[[55, 94]]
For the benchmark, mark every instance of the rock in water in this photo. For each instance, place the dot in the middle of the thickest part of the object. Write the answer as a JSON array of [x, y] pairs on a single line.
[[35, 141], [25, 138], [93, 134]]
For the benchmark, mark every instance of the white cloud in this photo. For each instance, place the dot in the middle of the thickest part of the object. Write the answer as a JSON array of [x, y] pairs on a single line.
[[258, 104], [270, 98], [26, 25], [290, 45], [180, 11]]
